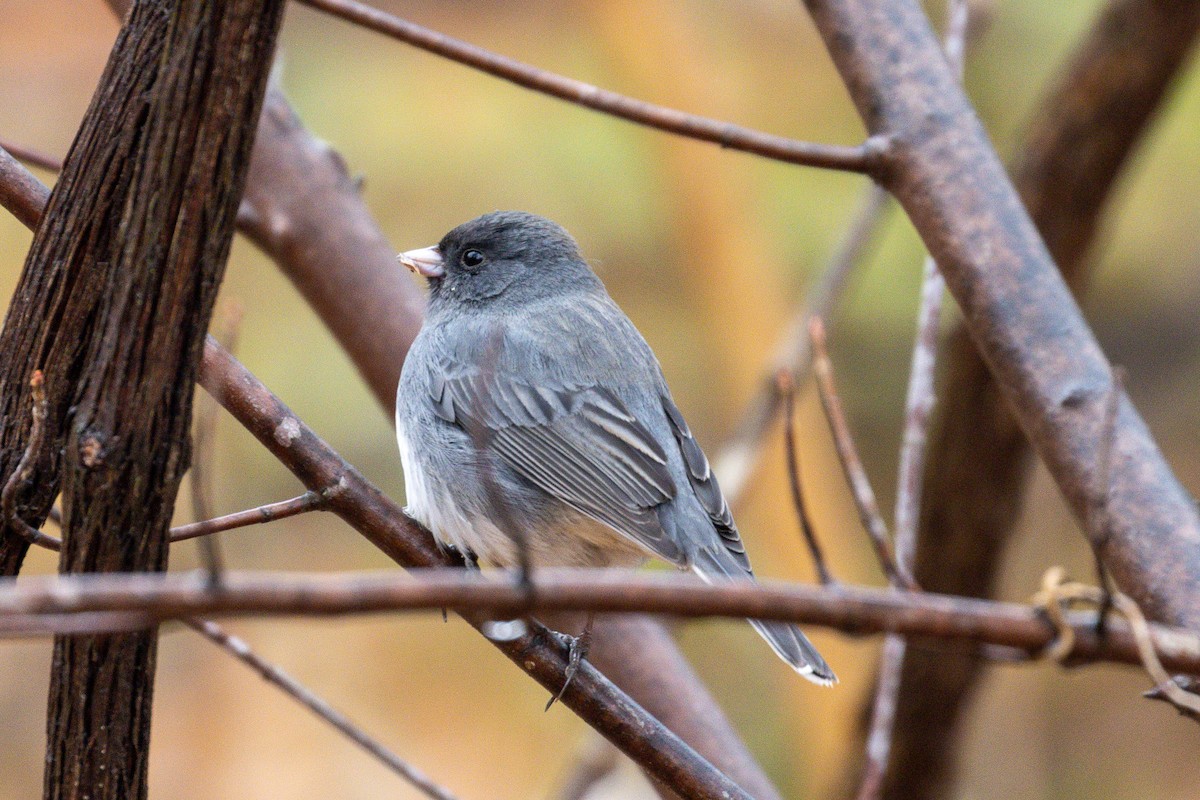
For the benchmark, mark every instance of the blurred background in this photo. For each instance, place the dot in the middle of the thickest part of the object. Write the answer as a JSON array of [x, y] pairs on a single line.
[[709, 252]]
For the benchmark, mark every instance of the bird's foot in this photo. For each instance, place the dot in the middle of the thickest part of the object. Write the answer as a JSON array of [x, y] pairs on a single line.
[[577, 650]]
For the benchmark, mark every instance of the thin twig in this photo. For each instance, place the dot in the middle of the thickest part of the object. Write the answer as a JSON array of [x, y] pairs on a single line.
[[788, 390], [309, 501], [239, 649], [859, 610], [856, 476], [31, 156], [910, 472], [1057, 593], [204, 431], [25, 467], [864, 158], [736, 462], [918, 410]]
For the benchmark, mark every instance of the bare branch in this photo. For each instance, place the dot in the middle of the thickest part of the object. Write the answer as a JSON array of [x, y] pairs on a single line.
[[1081, 136], [302, 504], [1048, 363], [31, 156], [788, 390], [22, 194], [865, 158], [239, 649], [856, 475], [858, 610]]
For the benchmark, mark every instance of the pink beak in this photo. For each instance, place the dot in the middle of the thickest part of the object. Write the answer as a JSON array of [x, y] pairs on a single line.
[[427, 261]]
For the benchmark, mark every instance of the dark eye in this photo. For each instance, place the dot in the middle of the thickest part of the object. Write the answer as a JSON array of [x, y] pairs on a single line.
[[472, 258]]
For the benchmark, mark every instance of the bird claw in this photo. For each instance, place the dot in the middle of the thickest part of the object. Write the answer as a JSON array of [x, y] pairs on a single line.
[[577, 650]]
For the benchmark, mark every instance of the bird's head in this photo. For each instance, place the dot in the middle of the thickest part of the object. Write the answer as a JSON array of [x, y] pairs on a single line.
[[512, 255]]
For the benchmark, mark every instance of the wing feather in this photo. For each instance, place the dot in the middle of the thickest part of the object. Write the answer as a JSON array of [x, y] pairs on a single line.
[[581, 445]]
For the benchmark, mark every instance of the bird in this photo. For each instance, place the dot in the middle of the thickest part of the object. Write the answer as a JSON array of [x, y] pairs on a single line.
[[536, 428]]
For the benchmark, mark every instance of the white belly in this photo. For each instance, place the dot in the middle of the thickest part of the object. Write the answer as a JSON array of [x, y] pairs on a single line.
[[438, 510]]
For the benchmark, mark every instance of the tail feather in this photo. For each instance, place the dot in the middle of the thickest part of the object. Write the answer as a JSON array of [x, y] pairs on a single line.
[[788, 641]]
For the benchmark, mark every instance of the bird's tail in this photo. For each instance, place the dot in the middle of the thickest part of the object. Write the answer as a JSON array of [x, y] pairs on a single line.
[[788, 642]]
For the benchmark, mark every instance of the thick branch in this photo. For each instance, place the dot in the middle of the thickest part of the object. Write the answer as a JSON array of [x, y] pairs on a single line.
[[1083, 134], [1015, 304]]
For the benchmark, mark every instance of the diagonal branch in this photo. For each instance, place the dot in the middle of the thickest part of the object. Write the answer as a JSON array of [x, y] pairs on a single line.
[[1019, 311], [349, 495], [1083, 134]]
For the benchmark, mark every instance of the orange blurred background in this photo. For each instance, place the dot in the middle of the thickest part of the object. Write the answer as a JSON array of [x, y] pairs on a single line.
[[709, 251]]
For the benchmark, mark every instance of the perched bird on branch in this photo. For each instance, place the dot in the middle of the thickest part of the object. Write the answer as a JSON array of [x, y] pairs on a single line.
[[536, 428]]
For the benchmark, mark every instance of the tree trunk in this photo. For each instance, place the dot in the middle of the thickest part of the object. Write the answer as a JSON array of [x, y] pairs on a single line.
[[113, 305]]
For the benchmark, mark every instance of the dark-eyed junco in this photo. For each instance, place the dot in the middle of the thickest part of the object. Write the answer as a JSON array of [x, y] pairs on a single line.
[[581, 441]]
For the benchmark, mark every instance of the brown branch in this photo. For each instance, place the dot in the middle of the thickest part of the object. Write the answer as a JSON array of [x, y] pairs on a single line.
[[31, 156], [788, 390], [113, 303], [349, 495], [1082, 135], [856, 475], [309, 501], [23, 195], [864, 158], [852, 609], [272, 674], [918, 407]]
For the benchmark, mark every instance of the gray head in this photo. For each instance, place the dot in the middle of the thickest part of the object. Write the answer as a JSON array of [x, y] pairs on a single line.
[[512, 255]]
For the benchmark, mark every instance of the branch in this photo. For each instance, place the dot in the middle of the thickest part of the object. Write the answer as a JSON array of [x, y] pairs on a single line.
[[1083, 134], [857, 610], [1048, 364], [112, 306], [272, 674], [349, 495], [864, 158]]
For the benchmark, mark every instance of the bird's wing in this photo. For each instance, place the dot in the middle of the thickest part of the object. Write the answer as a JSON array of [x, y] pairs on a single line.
[[577, 442], [708, 492]]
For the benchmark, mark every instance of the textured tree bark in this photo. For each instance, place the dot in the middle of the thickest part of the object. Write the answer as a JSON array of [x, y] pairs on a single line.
[[113, 305], [1082, 136]]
